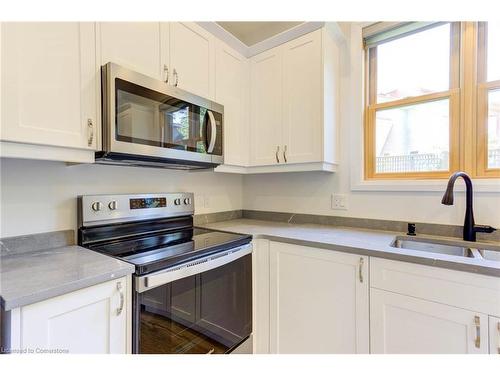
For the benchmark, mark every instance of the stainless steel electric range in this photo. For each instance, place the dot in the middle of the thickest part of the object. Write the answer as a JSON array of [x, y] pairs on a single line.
[[192, 287]]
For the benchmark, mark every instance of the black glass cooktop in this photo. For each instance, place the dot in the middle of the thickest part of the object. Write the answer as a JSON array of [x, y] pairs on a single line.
[[162, 250]]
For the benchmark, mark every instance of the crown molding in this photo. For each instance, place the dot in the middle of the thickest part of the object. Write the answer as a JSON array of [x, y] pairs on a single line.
[[248, 51]]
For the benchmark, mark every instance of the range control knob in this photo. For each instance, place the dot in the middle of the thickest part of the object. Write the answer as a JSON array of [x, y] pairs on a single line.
[[177, 201], [187, 200], [113, 205], [96, 206]]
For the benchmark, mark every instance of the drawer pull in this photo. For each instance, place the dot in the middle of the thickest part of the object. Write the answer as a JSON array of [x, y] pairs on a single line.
[[477, 323], [277, 154]]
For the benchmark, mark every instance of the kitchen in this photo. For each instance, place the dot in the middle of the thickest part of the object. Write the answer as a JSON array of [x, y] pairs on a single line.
[[211, 199]]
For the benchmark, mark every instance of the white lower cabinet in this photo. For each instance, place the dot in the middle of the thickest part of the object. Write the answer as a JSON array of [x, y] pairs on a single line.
[[92, 320], [494, 336], [318, 300], [401, 324]]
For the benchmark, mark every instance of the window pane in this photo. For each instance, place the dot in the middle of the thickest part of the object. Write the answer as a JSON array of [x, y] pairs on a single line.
[[414, 65], [494, 129], [413, 138], [493, 51]]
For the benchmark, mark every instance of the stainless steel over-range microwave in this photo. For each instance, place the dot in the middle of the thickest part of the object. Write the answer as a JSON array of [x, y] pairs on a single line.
[[147, 122]]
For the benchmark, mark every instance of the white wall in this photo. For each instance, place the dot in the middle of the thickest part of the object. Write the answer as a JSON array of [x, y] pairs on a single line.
[[311, 192], [40, 196]]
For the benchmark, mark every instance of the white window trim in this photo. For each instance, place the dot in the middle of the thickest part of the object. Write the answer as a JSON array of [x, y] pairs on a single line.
[[356, 134]]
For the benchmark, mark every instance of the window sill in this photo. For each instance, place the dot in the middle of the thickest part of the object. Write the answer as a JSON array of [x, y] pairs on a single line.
[[479, 185]]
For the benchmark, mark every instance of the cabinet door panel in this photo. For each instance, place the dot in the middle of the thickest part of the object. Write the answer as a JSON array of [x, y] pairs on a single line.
[[319, 303], [134, 45], [49, 83], [494, 335], [265, 107], [405, 325], [231, 90], [192, 55], [85, 321], [302, 127]]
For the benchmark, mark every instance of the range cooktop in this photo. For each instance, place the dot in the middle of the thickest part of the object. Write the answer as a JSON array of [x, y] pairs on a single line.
[[163, 250]]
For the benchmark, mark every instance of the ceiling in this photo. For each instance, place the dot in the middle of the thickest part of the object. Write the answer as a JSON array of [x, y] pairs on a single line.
[[251, 33]]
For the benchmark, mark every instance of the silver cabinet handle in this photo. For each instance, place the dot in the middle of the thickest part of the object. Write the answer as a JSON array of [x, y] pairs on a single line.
[[477, 323], [90, 130], [498, 328], [122, 298], [176, 75], [361, 262], [165, 69], [284, 155], [277, 154]]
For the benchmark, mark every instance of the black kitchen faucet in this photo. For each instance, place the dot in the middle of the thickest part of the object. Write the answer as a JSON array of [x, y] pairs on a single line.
[[470, 228]]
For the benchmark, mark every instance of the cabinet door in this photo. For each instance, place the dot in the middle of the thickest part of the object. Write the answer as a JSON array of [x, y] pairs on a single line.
[[192, 58], [494, 335], [302, 119], [406, 325], [85, 321], [231, 90], [318, 300], [134, 45], [265, 108], [49, 83]]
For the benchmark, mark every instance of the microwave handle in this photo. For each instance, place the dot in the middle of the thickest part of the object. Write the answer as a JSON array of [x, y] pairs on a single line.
[[213, 133]]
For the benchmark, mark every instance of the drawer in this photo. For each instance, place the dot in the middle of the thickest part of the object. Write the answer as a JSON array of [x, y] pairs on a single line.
[[455, 288]]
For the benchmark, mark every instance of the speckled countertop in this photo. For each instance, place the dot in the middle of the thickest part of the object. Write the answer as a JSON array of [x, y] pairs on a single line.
[[358, 241], [29, 277]]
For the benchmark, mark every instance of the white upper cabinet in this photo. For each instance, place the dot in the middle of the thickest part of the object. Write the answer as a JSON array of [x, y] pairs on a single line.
[[318, 301], [265, 108], [49, 85], [294, 105], [135, 45], [192, 58], [231, 90], [302, 127]]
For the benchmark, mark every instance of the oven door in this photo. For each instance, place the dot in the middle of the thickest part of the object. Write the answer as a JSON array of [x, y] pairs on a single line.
[[147, 117], [204, 306]]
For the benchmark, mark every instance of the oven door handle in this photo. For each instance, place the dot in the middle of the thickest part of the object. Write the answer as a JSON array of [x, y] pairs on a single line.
[[194, 267], [213, 131]]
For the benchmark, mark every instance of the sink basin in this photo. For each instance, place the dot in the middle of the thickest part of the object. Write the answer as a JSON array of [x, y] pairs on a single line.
[[449, 247], [428, 245], [490, 255]]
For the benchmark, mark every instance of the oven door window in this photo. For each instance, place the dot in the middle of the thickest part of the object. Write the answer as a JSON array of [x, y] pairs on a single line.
[[147, 117], [207, 313]]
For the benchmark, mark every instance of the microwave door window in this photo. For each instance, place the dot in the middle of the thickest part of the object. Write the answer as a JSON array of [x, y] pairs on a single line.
[[138, 119]]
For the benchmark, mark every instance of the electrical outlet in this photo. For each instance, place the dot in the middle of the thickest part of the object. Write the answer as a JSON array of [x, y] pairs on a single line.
[[339, 202]]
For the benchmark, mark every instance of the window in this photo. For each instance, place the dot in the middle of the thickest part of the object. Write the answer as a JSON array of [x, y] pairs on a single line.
[[488, 99], [417, 123]]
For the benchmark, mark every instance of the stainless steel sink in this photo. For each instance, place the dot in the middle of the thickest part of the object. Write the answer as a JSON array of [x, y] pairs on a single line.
[[490, 255], [421, 244], [449, 247]]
